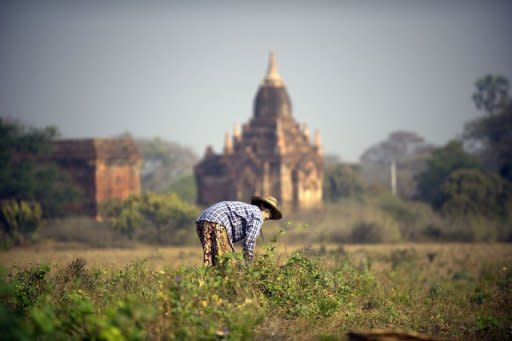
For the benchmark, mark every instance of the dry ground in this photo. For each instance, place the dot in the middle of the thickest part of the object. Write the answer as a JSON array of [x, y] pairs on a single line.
[[443, 259]]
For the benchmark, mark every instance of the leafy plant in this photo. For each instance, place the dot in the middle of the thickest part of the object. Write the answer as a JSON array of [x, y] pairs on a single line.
[[28, 285], [19, 220]]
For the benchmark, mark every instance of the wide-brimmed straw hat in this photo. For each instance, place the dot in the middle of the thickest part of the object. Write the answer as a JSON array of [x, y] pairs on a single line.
[[270, 202]]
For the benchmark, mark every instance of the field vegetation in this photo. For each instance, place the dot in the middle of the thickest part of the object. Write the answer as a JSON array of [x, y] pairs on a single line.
[[317, 291]]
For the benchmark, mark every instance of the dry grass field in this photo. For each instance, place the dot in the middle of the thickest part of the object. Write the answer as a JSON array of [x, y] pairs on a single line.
[[459, 291], [438, 259]]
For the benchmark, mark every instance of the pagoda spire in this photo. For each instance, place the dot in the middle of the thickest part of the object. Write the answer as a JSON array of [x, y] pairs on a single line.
[[236, 131], [272, 77], [318, 142], [228, 146]]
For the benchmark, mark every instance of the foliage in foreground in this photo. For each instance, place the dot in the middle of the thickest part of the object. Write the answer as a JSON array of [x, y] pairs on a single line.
[[309, 296]]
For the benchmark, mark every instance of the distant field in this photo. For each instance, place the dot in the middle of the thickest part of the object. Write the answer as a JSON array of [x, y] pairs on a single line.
[[439, 258]]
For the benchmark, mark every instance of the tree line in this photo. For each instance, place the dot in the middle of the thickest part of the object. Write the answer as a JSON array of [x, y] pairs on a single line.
[[34, 190], [469, 177]]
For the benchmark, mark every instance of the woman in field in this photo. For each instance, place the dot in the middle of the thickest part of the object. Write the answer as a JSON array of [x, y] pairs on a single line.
[[227, 222]]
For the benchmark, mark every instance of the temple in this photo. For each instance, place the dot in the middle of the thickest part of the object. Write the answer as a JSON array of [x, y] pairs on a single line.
[[102, 168], [272, 154]]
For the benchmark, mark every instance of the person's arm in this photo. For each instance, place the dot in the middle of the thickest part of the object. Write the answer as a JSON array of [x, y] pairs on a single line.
[[253, 231]]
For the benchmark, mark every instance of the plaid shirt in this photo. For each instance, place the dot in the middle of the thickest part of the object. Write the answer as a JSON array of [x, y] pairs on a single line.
[[242, 222]]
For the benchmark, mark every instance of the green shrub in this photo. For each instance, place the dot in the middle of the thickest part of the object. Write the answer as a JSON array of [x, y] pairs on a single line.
[[28, 285], [11, 321], [302, 288], [486, 323], [167, 215], [19, 220]]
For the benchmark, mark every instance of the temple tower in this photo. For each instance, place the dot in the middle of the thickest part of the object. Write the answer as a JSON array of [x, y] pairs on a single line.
[[272, 154]]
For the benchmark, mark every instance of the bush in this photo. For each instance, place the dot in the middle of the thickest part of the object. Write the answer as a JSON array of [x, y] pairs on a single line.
[[166, 217], [373, 232], [28, 285], [19, 220]]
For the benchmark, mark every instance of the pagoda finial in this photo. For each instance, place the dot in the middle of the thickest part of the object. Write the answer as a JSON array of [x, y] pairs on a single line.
[[318, 142], [228, 146], [305, 130], [272, 77], [236, 131]]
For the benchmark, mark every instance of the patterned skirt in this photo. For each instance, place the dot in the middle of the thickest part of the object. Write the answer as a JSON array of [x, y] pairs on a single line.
[[214, 239]]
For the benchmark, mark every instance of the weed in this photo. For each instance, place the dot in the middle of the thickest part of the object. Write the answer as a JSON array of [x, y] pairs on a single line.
[[486, 323], [28, 285]]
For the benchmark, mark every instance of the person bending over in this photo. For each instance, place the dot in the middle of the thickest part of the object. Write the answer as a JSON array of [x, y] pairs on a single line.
[[227, 222]]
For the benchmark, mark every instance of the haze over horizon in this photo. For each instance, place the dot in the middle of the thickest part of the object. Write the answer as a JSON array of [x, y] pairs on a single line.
[[187, 71]]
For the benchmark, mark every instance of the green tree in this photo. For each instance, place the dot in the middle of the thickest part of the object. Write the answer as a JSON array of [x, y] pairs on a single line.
[[492, 134], [164, 163], [441, 164], [123, 215], [342, 181], [27, 172], [474, 192], [185, 187], [491, 94], [163, 212]]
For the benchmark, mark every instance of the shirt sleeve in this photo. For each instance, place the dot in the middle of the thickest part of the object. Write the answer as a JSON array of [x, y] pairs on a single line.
[[253, 231]]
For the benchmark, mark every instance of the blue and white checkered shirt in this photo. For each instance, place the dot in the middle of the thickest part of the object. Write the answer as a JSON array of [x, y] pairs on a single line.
[[242, 222]]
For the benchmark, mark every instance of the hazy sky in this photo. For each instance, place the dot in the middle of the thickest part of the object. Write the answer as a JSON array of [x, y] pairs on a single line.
[[188, 70]]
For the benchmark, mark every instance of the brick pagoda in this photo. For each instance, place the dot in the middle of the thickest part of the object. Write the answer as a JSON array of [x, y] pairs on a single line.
[[272, 154], [103, 168]]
